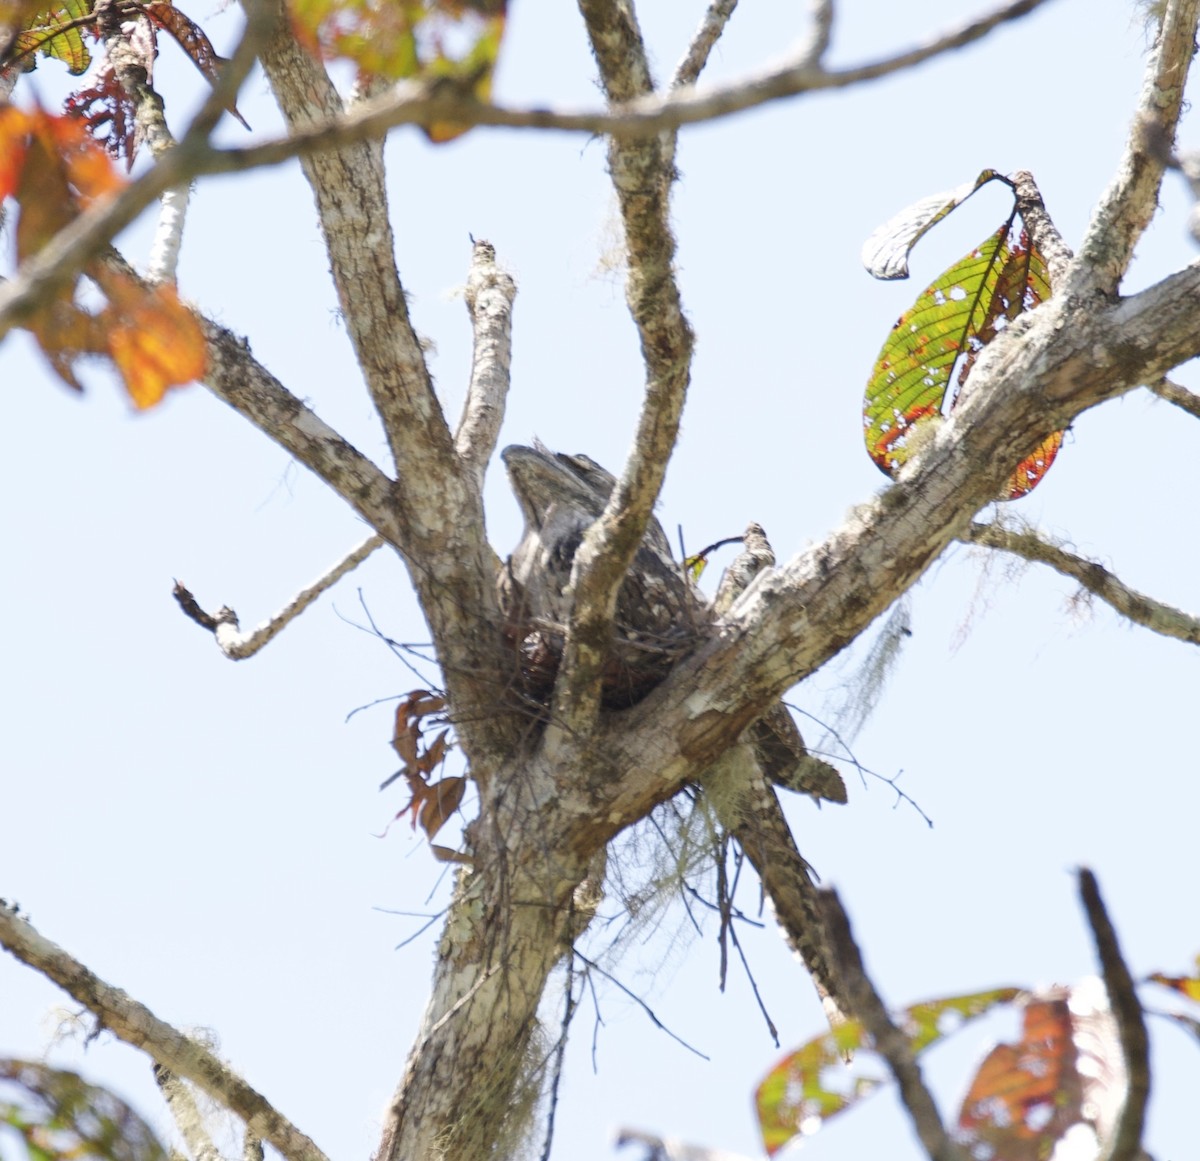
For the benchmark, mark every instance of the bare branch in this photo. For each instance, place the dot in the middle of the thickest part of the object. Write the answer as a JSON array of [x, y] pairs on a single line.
[[168, 235], [131, 69], [712, 24], [348, 184], [417, 103], [1046, 368], [1175, 393], [137, 1025], [642, 182], [1093, 576], [1129, 202], [248, 387], [436, 510], [819, 35], [186, 1115], [1041, 227], [888, 1040], [1126, 1140], [490, 294], [235, 644]]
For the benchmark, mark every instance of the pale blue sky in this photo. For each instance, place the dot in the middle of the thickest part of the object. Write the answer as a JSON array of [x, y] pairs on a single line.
[[201, 833]]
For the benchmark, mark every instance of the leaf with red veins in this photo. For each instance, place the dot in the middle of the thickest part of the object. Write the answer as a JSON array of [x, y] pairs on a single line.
[[191, 38], [106, 110]]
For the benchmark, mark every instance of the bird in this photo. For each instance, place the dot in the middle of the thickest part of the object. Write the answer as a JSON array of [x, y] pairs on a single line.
[[660, 614]]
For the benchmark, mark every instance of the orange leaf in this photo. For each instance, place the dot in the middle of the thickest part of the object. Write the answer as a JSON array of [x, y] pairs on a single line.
[[1025, 1095], [440, 803], [154, 341], [14, 127]]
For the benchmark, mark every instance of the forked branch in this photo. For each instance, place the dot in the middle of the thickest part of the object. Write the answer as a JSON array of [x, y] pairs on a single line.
[[223, 624], [1092, 576], [137, 1025]]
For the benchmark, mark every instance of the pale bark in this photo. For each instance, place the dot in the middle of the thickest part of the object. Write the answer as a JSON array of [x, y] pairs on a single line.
[[552, 797], [137, 1025]]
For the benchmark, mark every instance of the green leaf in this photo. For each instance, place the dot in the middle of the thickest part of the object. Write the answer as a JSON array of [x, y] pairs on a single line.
[[948, 326], [908, 384], [58, 1116], [50, 33], [885, 253], [809, 1086]]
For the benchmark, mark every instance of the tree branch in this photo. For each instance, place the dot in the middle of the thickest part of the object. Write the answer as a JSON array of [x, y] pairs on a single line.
[[642, 181], [223, 625], [1175, 393], [1128, 204], [1126, 1140], [437, 517], [418, 103], [1092, 576], [137, 1025], [1036, 377], [349, 189], [712, 24], [186, 1115], [490, 294], [249, 388], [888, 1040]]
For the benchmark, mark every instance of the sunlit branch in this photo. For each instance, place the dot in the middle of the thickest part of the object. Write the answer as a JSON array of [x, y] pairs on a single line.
[[249, 388], [1131, 199], [186, 1115], [642, 116], [892, 1044], [712, 24], [820, 33], [411, 103], [489, 296], [1125, 1143], [1040, 225], [129, 69], [137, 1025], [1092, 576], [1175, 393], [641, 178], [237, 645]]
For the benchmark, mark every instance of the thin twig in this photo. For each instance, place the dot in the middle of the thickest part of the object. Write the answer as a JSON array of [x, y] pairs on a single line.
[[235, 644], [888, 1040], [640, 1003], [137, 1025], [1125, 1142], [489, 296], [1092, 576]]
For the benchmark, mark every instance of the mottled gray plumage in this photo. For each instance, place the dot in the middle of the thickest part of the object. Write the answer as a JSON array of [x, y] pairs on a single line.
[[660, 615], [658, 611]]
